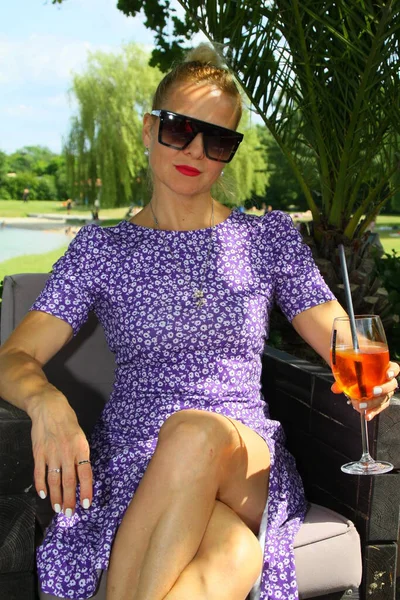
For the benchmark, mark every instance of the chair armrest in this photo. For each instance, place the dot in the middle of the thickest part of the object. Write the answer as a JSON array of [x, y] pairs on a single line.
[[16, 459], [17, 505]]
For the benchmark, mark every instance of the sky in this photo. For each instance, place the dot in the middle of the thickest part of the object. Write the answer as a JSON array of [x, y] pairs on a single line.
[[40, 45]]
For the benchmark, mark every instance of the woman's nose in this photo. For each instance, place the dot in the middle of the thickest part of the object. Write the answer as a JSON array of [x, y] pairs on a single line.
[[196, 147]]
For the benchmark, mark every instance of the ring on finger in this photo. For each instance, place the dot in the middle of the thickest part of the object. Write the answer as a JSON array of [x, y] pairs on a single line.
[[83, 462], [54, 470]]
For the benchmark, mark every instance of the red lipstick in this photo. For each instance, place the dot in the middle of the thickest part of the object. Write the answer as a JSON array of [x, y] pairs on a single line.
[[186, 170]]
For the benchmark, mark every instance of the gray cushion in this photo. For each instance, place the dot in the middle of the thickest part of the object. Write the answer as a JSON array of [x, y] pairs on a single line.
[[19, 293], [327, 553]]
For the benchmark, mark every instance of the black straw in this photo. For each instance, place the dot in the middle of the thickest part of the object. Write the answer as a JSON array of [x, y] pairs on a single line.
[[350, 309], [349, 301]]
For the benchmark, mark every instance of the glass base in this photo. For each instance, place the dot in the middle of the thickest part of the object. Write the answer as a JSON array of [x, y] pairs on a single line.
[[367, 468]]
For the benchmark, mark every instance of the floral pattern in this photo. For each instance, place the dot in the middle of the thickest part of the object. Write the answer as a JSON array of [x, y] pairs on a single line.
[[171, 356]]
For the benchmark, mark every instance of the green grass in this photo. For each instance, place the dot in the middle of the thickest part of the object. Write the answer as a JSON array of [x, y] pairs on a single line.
[[389, 243], [35, 263], [389, 220], [17, 208]]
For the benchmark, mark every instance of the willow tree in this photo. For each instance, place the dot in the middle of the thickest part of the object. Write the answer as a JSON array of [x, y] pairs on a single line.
[[104, 149]]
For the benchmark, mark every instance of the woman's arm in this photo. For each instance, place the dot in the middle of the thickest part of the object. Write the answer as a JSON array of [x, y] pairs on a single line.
[[34, 341], [315, 327], [57, 439]]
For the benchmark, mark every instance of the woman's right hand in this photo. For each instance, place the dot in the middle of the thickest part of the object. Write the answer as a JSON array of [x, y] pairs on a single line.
[[58, 442]]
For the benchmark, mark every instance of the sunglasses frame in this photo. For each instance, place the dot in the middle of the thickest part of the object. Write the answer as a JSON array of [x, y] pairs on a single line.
[[203, 127]]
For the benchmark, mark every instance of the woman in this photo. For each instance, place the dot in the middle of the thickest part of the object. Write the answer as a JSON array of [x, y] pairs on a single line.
[[186, 468]]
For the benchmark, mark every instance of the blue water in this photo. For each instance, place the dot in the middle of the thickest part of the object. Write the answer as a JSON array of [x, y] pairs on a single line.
[[16, 242]]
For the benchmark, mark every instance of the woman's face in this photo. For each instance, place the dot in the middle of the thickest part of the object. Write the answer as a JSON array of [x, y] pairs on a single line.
[[207, 103]]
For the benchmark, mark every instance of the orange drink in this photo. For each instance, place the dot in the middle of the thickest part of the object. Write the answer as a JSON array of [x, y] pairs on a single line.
[[359, 371]]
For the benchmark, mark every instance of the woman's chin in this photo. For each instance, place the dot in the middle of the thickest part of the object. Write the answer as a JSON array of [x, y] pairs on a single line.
[[187, 188]]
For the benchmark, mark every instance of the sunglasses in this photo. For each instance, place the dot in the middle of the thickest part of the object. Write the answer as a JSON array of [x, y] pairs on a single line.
[[178, 131]]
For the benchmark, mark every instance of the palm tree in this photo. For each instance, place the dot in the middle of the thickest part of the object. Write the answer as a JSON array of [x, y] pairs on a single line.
[[324, 77]]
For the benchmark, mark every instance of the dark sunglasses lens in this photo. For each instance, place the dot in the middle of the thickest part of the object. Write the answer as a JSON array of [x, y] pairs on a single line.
[[176, 131], [220, 147]]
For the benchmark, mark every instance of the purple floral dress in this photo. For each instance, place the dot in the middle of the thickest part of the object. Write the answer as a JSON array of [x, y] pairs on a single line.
[[171, 356]]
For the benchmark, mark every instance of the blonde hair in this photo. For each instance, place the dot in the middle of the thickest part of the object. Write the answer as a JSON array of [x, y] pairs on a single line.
[[201, 65]]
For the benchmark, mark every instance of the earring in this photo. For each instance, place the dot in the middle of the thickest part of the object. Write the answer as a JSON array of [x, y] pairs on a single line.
[[146, 152], [222, 173]]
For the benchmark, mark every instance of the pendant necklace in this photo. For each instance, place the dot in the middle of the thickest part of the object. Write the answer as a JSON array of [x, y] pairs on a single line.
[[198, 293]]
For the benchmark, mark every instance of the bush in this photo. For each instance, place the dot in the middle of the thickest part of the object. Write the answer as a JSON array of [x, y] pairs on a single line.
[[40, 188], [45, 188], [5, 194], [388, 268], [14, 186]]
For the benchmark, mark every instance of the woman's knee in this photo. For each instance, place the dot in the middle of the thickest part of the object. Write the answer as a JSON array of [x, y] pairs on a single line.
[[247, 555], [231, 549], [193, 442], [198, 431]]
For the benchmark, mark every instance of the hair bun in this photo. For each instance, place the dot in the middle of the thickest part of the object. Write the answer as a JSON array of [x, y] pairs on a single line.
[[205, 54]]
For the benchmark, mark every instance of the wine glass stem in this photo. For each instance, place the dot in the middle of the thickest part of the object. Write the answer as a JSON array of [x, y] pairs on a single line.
[[366, 457]]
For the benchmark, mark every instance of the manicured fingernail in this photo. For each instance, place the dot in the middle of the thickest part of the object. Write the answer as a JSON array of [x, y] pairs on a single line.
[[86, 503], [390, 374], [42, 494], [68, 512], [377, 390], [362, 405], [57, 508]]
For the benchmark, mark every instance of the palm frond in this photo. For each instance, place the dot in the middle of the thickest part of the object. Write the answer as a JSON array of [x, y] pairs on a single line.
[[323, 74]]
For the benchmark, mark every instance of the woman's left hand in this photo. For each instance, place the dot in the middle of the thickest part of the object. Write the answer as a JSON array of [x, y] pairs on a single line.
[[382, 393]]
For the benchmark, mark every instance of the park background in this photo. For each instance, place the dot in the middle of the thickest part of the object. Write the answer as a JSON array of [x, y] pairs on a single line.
[[67, 134]]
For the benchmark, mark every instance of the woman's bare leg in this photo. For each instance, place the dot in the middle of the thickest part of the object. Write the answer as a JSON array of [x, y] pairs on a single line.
[[227, 563], [198, 456]]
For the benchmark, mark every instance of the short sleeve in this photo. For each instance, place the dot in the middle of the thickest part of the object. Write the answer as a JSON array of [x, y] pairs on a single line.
[[69, 291], [299, 284]]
